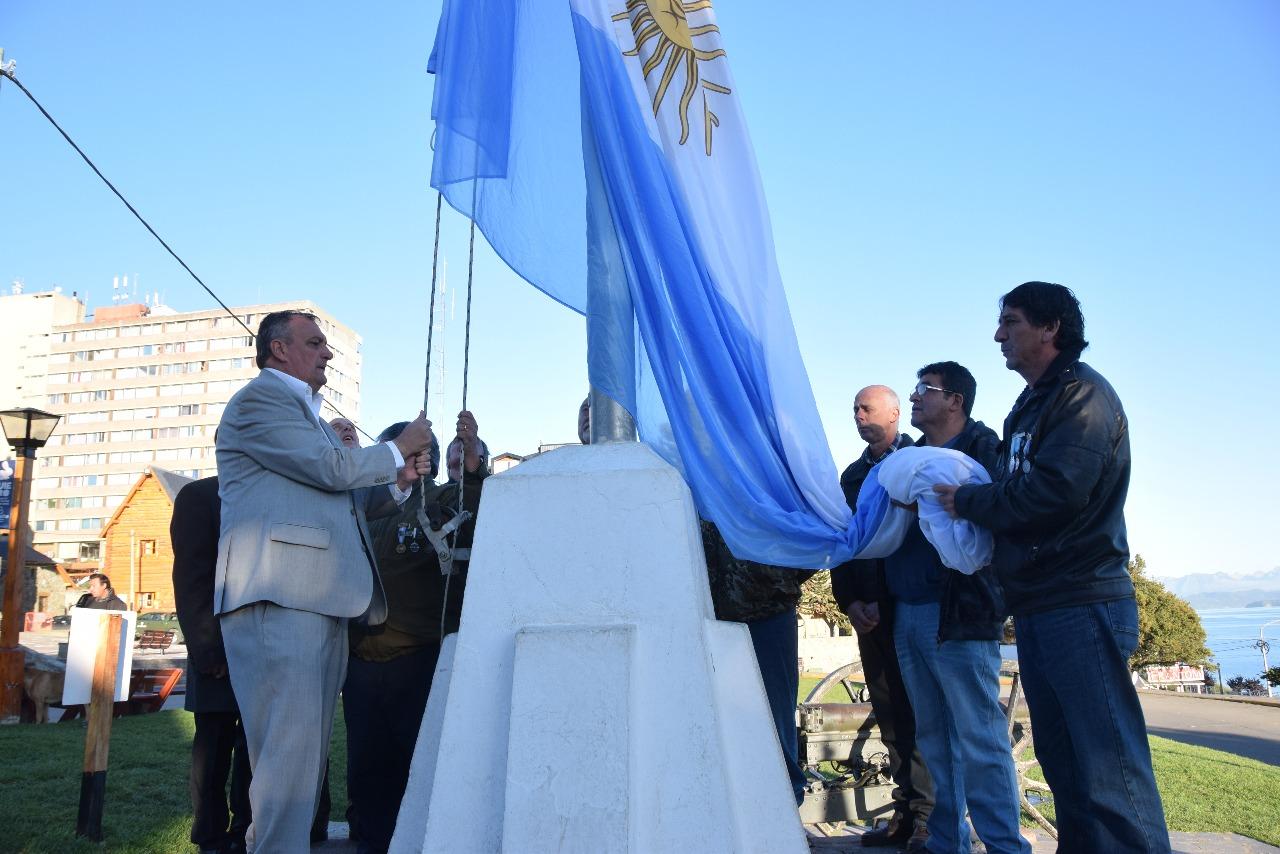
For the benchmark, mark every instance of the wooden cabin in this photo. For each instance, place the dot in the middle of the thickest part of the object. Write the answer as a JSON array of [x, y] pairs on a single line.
[[137, 554]]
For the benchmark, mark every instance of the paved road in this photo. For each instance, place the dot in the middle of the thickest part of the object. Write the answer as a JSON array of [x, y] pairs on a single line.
[[1245, 729]]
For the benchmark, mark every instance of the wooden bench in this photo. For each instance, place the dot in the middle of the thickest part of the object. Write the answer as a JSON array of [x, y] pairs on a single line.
[[148, 689], [157, 639]]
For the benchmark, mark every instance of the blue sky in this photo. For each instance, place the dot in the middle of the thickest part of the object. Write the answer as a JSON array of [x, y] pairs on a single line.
[[919, 160]]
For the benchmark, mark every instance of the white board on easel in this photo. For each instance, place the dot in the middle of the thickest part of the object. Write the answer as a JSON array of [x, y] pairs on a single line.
[[82, 649]]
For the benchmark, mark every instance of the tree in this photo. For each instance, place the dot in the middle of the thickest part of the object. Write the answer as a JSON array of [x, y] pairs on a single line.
[[817, 601], [1169, 630], [1247, 687], [1272, 676]]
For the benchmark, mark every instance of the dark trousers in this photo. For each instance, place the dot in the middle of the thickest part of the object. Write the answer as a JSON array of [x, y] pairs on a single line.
[[777, 647], [913, 792], [1090, 735], [320, 824], [219, 750], [382, 703]]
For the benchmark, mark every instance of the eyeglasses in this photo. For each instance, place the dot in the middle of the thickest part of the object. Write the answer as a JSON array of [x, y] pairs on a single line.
[[923, 388]]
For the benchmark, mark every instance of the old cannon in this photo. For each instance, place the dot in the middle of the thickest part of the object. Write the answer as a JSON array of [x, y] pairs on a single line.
[[847, 765]]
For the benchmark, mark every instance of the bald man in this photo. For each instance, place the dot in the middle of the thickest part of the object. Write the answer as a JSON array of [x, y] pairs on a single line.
[[860, 590]]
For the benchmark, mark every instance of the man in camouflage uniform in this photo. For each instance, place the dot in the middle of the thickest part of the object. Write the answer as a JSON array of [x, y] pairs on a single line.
[[765, 598], [390, 669]]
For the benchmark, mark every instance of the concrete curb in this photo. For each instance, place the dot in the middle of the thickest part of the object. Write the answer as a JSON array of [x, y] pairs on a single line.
[[1273, 702]]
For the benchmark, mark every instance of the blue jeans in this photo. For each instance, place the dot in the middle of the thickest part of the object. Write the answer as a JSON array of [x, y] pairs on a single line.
[[777, 646], [1090, 736], [961, 732]]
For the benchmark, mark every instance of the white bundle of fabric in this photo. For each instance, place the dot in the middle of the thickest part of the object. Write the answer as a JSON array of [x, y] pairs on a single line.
[[907, 476]]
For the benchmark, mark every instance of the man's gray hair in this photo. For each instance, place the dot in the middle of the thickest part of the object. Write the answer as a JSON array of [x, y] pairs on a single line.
[[275, 327]]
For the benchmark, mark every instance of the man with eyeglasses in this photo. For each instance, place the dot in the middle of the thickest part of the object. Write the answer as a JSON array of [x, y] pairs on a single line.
[[859, 589], [1061, 552], [947, 629]]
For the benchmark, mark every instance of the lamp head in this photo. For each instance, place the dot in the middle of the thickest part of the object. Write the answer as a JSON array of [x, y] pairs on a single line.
[[28, 429]]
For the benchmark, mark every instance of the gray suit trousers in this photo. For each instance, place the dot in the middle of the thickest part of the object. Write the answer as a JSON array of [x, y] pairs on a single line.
[[287, 668]]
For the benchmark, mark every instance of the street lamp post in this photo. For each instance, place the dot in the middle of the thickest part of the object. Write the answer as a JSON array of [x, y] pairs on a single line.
[[1265, 647], [26, 430]]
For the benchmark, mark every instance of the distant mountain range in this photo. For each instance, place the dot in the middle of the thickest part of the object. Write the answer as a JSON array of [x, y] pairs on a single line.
[[1205, 590]]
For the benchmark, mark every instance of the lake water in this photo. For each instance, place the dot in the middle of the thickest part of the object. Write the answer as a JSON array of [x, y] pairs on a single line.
[[1231, 634]]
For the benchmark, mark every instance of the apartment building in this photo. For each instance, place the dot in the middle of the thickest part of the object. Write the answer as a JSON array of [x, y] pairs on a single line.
[[27, 322], [138, 385]]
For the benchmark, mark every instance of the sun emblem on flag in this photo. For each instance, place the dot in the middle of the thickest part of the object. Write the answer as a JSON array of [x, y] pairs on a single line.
[[662, 31]]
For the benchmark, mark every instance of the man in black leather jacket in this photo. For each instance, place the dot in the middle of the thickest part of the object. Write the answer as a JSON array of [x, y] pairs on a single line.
[[859, 589], [947, 628], [1057, 511]]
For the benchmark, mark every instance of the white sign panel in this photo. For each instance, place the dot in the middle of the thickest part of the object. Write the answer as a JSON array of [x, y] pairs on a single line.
[[86, 629]]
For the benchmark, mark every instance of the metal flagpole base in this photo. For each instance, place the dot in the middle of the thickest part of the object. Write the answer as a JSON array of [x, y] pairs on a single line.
[[609, 421]]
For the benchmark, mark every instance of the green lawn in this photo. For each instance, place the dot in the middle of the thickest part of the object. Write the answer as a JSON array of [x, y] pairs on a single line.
[[147, 805], [147, 802], [1208, 791]]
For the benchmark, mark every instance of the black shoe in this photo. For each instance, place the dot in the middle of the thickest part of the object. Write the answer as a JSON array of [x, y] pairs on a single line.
[[919, 840], [895, 833]]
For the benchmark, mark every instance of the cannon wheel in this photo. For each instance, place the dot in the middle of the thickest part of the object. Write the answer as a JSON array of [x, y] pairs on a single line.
[[841, 676], [1019, 744]]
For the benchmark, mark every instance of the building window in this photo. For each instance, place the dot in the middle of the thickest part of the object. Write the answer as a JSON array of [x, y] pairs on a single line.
[[89, 551], [146, 600], [146, 547]]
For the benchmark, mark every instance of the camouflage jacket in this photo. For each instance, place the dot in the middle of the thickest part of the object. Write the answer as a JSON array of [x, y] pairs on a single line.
[[744, 591]]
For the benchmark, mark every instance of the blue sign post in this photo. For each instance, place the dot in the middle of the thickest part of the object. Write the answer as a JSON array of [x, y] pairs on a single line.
[[6, 497]]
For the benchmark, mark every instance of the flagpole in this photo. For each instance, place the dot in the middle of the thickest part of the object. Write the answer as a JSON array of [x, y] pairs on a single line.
[[609, 421], [610, 314]]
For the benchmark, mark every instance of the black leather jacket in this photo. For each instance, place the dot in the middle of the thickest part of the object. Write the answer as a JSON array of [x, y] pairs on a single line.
[[973, 605], [860, 580], [1057, 503]]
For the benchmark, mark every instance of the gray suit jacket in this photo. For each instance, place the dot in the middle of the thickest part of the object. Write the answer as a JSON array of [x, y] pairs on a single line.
[[293, 508]]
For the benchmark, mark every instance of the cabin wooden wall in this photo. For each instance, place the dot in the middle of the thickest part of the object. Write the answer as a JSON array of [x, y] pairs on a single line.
[[145, 514]]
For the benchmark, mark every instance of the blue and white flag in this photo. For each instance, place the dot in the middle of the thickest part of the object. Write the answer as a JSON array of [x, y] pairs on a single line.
[[601, 148], [908, 476]]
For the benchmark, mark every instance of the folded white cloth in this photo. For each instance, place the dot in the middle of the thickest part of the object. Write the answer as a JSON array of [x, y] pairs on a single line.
[[907, 476]]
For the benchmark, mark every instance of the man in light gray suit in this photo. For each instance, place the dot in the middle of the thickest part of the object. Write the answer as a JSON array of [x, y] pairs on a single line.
[[294, 565]]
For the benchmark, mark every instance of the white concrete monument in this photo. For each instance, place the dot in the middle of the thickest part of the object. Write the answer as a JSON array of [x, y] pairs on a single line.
[[590, 701]]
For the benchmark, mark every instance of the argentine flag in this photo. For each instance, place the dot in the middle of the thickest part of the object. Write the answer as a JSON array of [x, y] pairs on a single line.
[[601, 148]]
